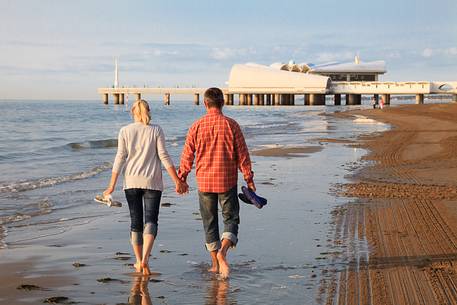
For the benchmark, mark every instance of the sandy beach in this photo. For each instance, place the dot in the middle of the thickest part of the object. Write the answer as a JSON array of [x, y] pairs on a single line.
[[400, 229]]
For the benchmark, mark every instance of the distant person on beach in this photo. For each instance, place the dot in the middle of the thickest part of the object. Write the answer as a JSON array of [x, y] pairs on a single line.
[[140, 153], [218, 146]]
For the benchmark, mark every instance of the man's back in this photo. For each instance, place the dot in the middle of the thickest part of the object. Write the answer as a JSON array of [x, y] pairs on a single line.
[[219, 148]]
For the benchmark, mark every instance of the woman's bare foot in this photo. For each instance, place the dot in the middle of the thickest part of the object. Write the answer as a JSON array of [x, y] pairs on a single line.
[[224, 268], [146, 270], [214, 268], [138, 267]]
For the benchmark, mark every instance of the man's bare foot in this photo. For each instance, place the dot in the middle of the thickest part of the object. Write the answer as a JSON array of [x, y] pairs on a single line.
[[224, 269], [137, 266], [146, 270]]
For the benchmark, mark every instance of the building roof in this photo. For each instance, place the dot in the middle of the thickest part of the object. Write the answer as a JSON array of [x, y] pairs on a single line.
[[260, 76]]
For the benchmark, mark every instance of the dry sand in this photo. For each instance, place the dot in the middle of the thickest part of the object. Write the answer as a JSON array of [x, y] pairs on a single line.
[[406, 211]]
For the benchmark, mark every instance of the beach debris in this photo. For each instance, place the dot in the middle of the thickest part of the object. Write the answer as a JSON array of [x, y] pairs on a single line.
[[122, 258], [28, 287], [122, 253], [165, 251], [295, 276], [161, 297], [196, 213], [183, 254], [155, 280], [56, 300], [78, 265], [109, 280], [167, 204]]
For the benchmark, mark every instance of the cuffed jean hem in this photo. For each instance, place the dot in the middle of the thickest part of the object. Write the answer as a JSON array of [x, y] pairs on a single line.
[[214, 246], [136, 238], [230, 236], [150, 228]]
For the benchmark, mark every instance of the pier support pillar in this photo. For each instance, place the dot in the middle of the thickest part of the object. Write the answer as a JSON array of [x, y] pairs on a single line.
[[285, 99], [354, 99], [306, 99], [262, 99], [454, 98], [166, 99], [277, 99], [419, 99], [292, 99], [249, 99], [268, 100], [337, 99], [197, 99], [116, 98], [256, 99], [226, 99], [242, 98], [386, 99], [137, 96], [121, 98], [231, 98], [317, 99], [105, 98], [346, 99]]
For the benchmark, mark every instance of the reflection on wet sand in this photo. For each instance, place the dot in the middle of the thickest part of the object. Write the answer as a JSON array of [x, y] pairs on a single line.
[[217, 293], [139, 294]]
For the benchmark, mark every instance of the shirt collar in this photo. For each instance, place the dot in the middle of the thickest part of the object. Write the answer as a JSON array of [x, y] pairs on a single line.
[[214, 111]]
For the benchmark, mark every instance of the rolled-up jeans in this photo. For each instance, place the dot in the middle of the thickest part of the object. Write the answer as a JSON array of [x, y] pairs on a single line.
[[231, 216], [139, 199]]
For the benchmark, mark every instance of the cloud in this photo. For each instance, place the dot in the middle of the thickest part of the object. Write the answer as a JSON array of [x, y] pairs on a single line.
[[231, 53], [335, 56], [429, 52]]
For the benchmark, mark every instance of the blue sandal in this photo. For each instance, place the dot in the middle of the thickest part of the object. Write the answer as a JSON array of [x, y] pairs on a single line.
[[250, 197]]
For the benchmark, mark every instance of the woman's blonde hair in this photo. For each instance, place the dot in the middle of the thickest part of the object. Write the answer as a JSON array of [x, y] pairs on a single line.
[[140, 110]]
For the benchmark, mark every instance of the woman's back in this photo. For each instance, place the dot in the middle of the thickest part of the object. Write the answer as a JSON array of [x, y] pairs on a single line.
[[142, 149]]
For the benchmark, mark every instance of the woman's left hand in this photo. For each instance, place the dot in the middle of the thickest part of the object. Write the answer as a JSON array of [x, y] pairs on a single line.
[[108, 191]]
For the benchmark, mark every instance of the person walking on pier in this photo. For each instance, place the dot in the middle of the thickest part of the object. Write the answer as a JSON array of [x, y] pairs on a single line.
[[218, 146], [140, 153]]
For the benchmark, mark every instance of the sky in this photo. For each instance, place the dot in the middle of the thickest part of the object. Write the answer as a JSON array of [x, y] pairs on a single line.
[[59, 49]]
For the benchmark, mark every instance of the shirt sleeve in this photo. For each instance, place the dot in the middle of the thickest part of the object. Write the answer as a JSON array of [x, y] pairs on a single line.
[[162, 150], [188, 154], [244, 161], [121, 154]]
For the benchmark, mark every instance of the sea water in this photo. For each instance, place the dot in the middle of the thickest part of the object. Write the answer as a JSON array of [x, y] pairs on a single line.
[[55, 156]]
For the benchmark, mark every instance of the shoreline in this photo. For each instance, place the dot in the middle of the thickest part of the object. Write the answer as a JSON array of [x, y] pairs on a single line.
[[399, 227]]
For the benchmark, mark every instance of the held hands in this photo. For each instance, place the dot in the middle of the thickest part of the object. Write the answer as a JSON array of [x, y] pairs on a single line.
[[182, 187]]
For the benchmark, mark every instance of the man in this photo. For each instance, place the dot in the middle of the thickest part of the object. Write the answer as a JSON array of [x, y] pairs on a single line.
[[218, 145]]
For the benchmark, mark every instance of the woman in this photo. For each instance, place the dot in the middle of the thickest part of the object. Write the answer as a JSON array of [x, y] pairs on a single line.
[[141, 151]]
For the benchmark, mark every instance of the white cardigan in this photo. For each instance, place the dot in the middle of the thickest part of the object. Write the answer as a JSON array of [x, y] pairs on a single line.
[[141, 148]]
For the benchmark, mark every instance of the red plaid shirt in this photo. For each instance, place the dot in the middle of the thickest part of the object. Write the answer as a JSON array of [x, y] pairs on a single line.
[[217, 143]]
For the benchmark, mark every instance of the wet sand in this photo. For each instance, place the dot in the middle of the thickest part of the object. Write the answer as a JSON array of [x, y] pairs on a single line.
[[400, 231], [285, 151]]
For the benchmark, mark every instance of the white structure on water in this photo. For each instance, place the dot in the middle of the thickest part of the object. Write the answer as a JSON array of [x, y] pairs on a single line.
[[116, 73]]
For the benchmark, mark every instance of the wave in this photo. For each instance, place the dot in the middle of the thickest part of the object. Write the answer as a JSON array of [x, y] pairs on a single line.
[[111, 143], [108, 143], [27, 185]]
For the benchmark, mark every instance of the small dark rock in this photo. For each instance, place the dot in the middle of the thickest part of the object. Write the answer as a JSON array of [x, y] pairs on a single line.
[[56, 300], [29, 287]]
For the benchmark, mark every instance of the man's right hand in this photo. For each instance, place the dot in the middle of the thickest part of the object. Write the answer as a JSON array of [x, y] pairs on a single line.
[[251, 186]]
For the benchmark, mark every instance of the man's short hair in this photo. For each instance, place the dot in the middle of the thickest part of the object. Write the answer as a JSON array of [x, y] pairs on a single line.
[[214, 97]]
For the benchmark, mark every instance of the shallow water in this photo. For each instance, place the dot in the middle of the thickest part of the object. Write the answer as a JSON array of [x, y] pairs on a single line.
[[55, 156]]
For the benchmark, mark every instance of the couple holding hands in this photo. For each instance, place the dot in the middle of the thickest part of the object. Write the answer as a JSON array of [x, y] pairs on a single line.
[[217, 145]]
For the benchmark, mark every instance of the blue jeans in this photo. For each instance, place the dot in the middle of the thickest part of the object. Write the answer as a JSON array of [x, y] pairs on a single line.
[[150, 200], [230, 213]]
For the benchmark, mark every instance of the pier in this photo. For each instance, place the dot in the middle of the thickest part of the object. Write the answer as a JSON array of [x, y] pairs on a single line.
[[348, 92], [281, 85]]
